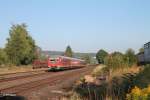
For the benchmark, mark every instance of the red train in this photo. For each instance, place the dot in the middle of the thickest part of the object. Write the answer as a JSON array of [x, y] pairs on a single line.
[[60, 62]]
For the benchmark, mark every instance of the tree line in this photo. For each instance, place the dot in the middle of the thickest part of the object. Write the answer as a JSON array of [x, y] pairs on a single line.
[[21, 49], [69, 53], [117, 59]]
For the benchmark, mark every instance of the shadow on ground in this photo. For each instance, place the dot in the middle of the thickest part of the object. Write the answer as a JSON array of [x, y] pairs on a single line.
[[12, 98]]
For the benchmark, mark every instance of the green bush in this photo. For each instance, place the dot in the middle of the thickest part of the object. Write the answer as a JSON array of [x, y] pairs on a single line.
[[142, 79]]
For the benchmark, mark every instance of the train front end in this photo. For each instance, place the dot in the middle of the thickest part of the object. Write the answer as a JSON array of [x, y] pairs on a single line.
[[54, 63]]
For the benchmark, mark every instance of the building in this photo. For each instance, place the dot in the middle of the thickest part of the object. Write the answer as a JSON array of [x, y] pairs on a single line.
[[147, 52]]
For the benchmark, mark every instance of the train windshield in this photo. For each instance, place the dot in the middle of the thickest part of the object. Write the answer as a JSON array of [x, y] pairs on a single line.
[[53, 60]]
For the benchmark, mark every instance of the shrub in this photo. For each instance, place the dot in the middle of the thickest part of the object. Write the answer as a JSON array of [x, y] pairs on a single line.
[[115, 61], [90, 91], [143, 78]]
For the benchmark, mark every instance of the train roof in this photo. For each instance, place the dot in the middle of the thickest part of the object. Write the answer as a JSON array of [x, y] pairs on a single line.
[[57, 56], [71, 58], [54, 56]]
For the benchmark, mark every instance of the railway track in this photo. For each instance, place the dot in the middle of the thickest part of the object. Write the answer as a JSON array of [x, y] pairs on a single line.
[[15, 76], [20, 77], [52, 79], [16, 73]]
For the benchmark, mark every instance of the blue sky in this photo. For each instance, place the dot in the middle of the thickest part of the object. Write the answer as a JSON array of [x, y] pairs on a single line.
[[85, 25]]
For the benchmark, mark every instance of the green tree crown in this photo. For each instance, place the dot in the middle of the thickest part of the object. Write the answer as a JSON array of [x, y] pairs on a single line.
[[101, 54], [68, 52], [20, 47]]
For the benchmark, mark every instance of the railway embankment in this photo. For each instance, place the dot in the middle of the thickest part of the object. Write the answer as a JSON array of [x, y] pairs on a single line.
[[100, 84]]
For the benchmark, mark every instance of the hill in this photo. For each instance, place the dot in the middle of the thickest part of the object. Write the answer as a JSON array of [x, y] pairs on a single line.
[[76, 54]]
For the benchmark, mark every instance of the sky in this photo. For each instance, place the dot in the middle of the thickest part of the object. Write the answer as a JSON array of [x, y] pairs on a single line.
[[85, 25]]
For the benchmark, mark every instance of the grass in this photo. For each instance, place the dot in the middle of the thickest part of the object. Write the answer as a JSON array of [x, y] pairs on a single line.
[[98, 70], [14, 69], [121, 71]]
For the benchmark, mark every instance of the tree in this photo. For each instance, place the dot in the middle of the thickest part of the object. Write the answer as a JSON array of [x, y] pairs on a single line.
[[68, 52], [3, 57], [117, 53], [130, 57], [86, 58], [101, 54], [20, 46]]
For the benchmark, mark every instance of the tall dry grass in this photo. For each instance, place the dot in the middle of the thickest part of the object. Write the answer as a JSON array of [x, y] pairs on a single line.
[[117, 84]]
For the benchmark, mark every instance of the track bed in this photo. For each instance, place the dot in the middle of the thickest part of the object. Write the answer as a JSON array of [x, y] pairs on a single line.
[[53, 81]]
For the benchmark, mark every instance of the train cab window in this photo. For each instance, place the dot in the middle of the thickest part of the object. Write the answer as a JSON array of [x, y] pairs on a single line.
[[52, 60]]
